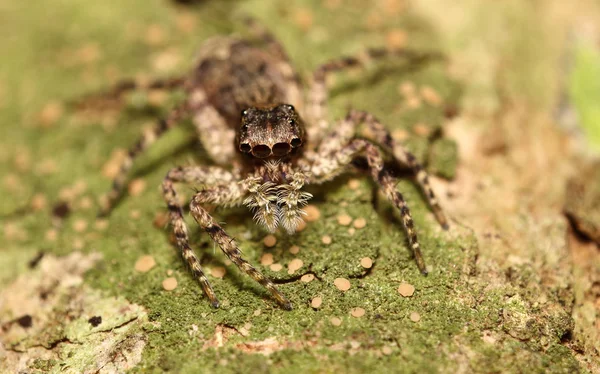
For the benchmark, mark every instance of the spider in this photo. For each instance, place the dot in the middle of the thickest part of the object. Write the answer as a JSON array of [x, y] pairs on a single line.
[[245, 100]]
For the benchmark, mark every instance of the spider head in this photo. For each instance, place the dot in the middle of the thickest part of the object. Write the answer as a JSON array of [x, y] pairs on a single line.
[[270, 132]]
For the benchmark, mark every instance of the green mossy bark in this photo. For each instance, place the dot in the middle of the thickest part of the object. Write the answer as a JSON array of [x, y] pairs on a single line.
[[466, 324]]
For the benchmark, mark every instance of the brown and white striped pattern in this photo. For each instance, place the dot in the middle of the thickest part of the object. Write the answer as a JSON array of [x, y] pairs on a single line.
[[147, 139]]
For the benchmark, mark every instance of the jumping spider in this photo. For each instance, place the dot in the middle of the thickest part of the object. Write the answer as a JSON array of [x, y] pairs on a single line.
[[244, 101]]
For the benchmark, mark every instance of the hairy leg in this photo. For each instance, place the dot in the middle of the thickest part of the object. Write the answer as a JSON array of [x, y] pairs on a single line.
[[194, 174], [148, 138], [114, 94], [217, 138], [346, 130], [380, 134], [317, 95], [225, 195], [325, 167]]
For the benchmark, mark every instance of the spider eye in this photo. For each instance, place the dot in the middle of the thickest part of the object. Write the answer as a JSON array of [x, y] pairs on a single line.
[[245, 147], [296, 142], [244, 127], [289, 107], [244, 112], [261, 151], [292, 122], [281, 149]]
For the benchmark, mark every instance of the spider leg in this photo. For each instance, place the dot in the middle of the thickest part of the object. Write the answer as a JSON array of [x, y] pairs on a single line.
[[194, 174], [317, 94], [148, 138], [114, 94], [220, 195], [382, 136], [334, 163]]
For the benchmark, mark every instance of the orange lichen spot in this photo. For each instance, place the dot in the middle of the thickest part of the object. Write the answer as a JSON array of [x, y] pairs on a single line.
[[307, 278], [51, 113], [295, 265], [154, 35], [218, 272], [351, 231], [89, 53], [111, 168], [406, 290], [51, 235], [276, 267], [157, 98], [333, 4], [400, 135], [326, 239], [415, 317], [312, 213], [342, 284], [266, 259], [344, 219], [357, 312], [161, 219], [294, 249], [257, 312], [135, 214], [101, 224], [186, 22], [85, 203], [170, 272], [169, 284], [366, 262], [303, 18], [422, 129], [354, 184], [386, 350], [407, 89], [431, 96], [136, 187], [38, 201], [145, 264], [393, 7], [23, 159], [413, 102], [335, 321], [80, 225], [13, 232], [301, 226], [360, 223], [270, 241], [316, 302], [396, 39], [166, 61], [12, 182]]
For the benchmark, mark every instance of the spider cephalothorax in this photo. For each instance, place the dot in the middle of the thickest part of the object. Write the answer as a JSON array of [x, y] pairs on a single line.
[[271, 132], [234, 75]]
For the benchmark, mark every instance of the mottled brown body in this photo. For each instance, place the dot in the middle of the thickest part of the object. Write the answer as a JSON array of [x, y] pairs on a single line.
[[245, 102]]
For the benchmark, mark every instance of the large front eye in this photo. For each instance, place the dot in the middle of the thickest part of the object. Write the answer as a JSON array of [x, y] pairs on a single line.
[[245, 147], [281, 149], [296, 142], [261, 151]]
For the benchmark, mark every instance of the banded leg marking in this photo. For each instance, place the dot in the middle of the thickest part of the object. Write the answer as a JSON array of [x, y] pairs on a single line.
[[382, 136], [227, 195], [147, 139], [323, 168]]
